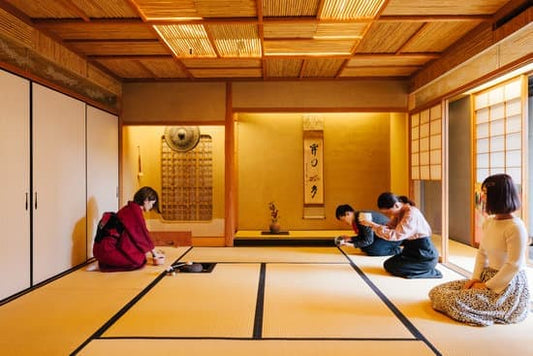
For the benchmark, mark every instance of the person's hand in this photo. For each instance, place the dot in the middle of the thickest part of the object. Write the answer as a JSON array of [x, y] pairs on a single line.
[[479, 285], [158, 257], [341, 240], [470, 283]]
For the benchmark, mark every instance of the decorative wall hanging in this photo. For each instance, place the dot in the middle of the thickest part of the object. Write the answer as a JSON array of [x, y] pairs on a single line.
[[313, 145], [187, 181], [182, 138]]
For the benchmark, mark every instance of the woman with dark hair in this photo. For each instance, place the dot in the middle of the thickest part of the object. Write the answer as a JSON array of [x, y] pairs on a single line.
[[419, 256], [123, 240], [364, 236], [498, 290]]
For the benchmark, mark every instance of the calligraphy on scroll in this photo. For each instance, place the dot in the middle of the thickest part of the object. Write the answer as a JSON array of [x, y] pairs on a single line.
[[313, 167]]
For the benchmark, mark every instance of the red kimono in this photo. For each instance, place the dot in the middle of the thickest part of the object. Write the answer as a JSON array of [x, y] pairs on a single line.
[[126, 251]]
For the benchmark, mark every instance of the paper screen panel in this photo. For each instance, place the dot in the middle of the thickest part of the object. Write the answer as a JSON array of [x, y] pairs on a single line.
[[513, 158], [483, 145], [497, 143], [497, 160], [513, 141], [514, 124]]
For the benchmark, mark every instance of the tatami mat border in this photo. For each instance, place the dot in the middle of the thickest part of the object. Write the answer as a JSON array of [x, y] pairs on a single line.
[[45, 282], [416, 333], [258, 320]]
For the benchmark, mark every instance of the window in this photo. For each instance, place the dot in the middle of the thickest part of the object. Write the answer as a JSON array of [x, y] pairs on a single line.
[[498, 131], [498, 142], [426, 144]]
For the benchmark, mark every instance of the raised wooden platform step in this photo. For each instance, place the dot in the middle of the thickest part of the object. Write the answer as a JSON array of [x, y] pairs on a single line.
[[288, 238]]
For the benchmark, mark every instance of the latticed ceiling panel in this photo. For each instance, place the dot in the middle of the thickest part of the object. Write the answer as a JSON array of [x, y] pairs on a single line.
[[105, 8], [51, 9], [283, 67], [289, 29], [126, 68], [321, 68], [387, 37], [314, 30], [427, 39], [253, 38], [163, 9], [284, 8], [236, 40], [61, 9], [389, 60], [349, 10], [70, 31], [222, 63], [341, 30], [120, 48], [226, 8], [309, 47], [443, 7], [163, 68], [227, 73], [377, 71], [187, 40]]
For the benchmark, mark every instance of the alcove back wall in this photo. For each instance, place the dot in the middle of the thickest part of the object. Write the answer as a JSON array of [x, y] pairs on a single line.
[[270, 166]]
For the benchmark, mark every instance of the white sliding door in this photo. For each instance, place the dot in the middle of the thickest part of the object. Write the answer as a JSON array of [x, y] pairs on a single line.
[[59, 183], [102, 168], [14, 190]]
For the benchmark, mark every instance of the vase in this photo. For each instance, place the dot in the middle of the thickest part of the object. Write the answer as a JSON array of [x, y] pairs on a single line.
[[274, 227]]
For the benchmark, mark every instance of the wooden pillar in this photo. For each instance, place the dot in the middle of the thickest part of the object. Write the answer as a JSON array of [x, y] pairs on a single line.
[[230, 190]]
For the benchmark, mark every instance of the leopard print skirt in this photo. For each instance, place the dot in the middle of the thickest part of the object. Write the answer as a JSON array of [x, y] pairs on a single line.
[[483, 307]]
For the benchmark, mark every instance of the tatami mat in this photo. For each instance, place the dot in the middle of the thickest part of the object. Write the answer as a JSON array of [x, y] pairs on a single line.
[[410, 296], [325, 301], [217, 304], [257, 301], [266, 254], [255, 348], [57, 317]]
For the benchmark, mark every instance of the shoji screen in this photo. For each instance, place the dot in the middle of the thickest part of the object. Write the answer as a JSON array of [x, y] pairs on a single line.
[[426, 144], [498, 142]]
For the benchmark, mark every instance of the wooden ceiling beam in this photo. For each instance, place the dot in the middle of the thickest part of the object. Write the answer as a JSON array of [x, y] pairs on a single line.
[[129, 56], [434, 18], [264, 20], [75, 10]]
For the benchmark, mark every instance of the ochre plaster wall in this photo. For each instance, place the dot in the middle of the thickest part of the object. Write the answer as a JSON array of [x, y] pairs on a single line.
[[390, 95], [174, 103], [399, 151], [147, 140], [270, 166]]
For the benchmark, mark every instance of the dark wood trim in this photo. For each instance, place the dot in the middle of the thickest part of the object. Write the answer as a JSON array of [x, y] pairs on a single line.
[[57, 87], [230, 185], [318, 110]]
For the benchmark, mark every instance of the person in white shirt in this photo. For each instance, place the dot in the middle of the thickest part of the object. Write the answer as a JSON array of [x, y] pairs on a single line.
[[419, 257], [498, 291]]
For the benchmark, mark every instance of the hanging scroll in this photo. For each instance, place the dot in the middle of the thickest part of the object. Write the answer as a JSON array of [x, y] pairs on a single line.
[[314, 167], [313, 144]]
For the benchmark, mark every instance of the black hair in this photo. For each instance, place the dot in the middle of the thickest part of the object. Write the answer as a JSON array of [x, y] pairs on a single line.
[[147, 193], [342, 210], [387, 200], [502, 195]]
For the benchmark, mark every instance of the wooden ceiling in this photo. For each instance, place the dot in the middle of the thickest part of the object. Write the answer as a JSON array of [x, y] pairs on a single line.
[[256, 39]]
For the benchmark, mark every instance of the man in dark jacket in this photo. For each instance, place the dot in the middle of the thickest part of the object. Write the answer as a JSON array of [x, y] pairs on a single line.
[[364, 236]]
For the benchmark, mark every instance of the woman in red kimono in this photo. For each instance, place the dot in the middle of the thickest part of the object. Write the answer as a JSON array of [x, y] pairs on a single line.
[[123, 240]]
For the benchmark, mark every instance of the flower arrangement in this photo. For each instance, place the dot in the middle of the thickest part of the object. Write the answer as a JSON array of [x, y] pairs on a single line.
[[273, 212]]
